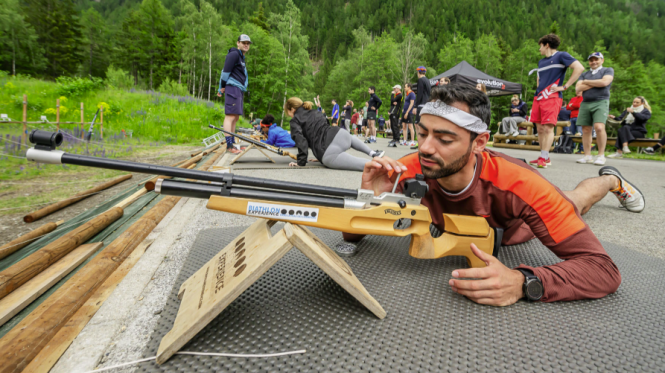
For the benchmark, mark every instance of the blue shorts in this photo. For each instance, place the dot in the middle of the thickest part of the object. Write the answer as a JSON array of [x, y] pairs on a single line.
[[233, 100]]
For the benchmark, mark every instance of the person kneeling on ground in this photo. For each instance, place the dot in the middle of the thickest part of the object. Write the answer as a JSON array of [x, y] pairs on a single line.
[[275, 135], [329, 144], [464, 177], [633, 125], [518, 110]]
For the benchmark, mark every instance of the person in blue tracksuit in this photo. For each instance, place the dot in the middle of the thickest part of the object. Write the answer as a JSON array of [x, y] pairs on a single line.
[[275, 135], [233, 84]]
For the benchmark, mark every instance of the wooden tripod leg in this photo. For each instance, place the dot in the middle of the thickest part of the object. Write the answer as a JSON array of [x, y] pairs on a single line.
[[234, 160], [326, 259], [267, 156], [220, 281]]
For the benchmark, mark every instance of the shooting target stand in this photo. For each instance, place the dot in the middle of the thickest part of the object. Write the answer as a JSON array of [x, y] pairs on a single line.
[[247, 149], [241, 263]]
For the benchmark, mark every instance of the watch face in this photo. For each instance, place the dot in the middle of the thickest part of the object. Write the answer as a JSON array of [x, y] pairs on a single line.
[[534, 290]]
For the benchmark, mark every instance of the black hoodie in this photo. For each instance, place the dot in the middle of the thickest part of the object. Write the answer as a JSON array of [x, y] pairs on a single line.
[[309, 129]]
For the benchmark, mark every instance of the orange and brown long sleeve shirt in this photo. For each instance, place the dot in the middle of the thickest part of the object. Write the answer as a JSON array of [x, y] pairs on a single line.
[[514, 196]]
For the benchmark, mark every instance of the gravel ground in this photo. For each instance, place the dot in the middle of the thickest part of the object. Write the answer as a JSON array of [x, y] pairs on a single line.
[[125, 340]]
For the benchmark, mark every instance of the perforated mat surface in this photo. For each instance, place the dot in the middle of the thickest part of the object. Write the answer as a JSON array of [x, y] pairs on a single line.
[[295, 305]]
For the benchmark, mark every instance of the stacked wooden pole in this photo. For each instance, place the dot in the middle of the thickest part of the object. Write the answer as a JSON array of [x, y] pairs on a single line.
[[36, 215]]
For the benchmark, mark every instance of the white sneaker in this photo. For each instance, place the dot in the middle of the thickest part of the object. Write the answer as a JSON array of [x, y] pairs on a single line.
[[615, 155], [629, 196], [600, 161], [585, 160], [412, 143], [516, 133], [626, 150]]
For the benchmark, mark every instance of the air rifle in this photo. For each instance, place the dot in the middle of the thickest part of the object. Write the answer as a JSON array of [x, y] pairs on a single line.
[[356, 211], [250, 140]]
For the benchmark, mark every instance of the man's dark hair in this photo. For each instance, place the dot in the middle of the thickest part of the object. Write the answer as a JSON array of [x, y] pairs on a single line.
[[407, 85], [478, 102], [268, 119], [372, 88], [552, 40], [333, 100]]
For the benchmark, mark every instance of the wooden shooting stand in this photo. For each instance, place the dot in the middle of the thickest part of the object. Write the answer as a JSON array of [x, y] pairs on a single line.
[[251, 146], [241, 263]]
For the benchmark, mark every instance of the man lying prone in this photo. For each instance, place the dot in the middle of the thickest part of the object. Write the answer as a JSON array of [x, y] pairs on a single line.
[[466, 178]]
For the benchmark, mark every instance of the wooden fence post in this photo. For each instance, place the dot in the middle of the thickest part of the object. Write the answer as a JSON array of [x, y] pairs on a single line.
[[57, 114], [25, 119], [82, 130], [101, 123]]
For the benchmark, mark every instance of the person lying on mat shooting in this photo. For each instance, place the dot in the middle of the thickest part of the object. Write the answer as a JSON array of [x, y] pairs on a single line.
[[275, 135], [466, 178], [329, 144]]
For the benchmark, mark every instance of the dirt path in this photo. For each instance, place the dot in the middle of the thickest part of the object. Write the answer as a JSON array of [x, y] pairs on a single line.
[[59, 187]]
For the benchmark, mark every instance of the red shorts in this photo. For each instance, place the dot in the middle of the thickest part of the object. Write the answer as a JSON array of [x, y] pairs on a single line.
[[546, 111]]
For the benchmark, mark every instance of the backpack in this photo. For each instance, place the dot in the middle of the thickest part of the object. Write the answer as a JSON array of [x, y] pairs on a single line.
[[564, 145]]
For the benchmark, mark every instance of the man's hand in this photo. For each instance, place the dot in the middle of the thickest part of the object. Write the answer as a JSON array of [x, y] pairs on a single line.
[[311, 160], [497, 285], [373, 108], [557, 88], [415, 111], [611, 116], [221, 92], [293, 164], [375, 175]]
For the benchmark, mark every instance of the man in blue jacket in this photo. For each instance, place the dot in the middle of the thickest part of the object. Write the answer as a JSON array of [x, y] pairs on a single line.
[[275, 135], [233, 84]]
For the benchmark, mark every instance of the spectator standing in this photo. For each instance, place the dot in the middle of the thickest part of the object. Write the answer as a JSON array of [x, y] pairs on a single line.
[[354, 121], [595, 107], [423, 92], [335, 113], [408, 115], [548, 99], [373, 106], [574, 107], [348, 108], [518, 111], [443, 81], [233, 84], [633, 125], [317, 101], [395, 110], [363, 128]]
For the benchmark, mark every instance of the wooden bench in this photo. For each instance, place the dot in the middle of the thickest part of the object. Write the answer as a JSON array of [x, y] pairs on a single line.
[[500, 140], [637, 143]]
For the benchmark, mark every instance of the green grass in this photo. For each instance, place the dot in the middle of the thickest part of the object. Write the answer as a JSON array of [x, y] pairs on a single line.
[[149, 116], [133, 122]]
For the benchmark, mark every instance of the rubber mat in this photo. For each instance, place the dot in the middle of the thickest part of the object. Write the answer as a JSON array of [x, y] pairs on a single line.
[[295, 305]]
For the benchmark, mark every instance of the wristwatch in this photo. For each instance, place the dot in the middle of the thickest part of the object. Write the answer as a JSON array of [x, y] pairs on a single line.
[[533, 287]]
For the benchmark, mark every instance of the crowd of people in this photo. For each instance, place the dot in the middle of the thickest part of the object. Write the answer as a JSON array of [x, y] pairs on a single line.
[[464, 177]]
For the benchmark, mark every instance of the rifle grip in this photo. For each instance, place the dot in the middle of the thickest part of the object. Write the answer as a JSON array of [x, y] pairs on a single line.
[[293, 156]]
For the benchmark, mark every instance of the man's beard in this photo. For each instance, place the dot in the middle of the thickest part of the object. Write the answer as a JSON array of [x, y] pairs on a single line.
[[444, 170]]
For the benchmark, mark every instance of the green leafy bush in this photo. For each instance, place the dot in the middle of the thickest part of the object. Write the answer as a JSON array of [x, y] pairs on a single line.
[[172, 87], [77, 86], [118, 78]]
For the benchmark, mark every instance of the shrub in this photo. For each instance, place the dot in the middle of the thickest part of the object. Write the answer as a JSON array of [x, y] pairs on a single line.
[[172, 87], [77, 86], [118, 78]]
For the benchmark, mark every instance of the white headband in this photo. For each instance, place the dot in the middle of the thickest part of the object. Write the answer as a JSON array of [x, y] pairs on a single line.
[[455, 115]]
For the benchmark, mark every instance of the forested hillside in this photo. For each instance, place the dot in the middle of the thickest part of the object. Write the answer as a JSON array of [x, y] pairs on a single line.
[[330, 47]]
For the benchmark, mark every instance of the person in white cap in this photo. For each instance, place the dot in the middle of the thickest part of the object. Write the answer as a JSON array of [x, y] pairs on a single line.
[[395, 110], [595, 107], [233, 84], [466, 178]]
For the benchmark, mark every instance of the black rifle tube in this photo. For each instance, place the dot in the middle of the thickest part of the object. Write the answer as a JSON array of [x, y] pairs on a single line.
[[204, 191], [113, 164]]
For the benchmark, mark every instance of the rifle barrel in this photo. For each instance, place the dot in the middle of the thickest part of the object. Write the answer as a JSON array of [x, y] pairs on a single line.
[[57, 157]]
